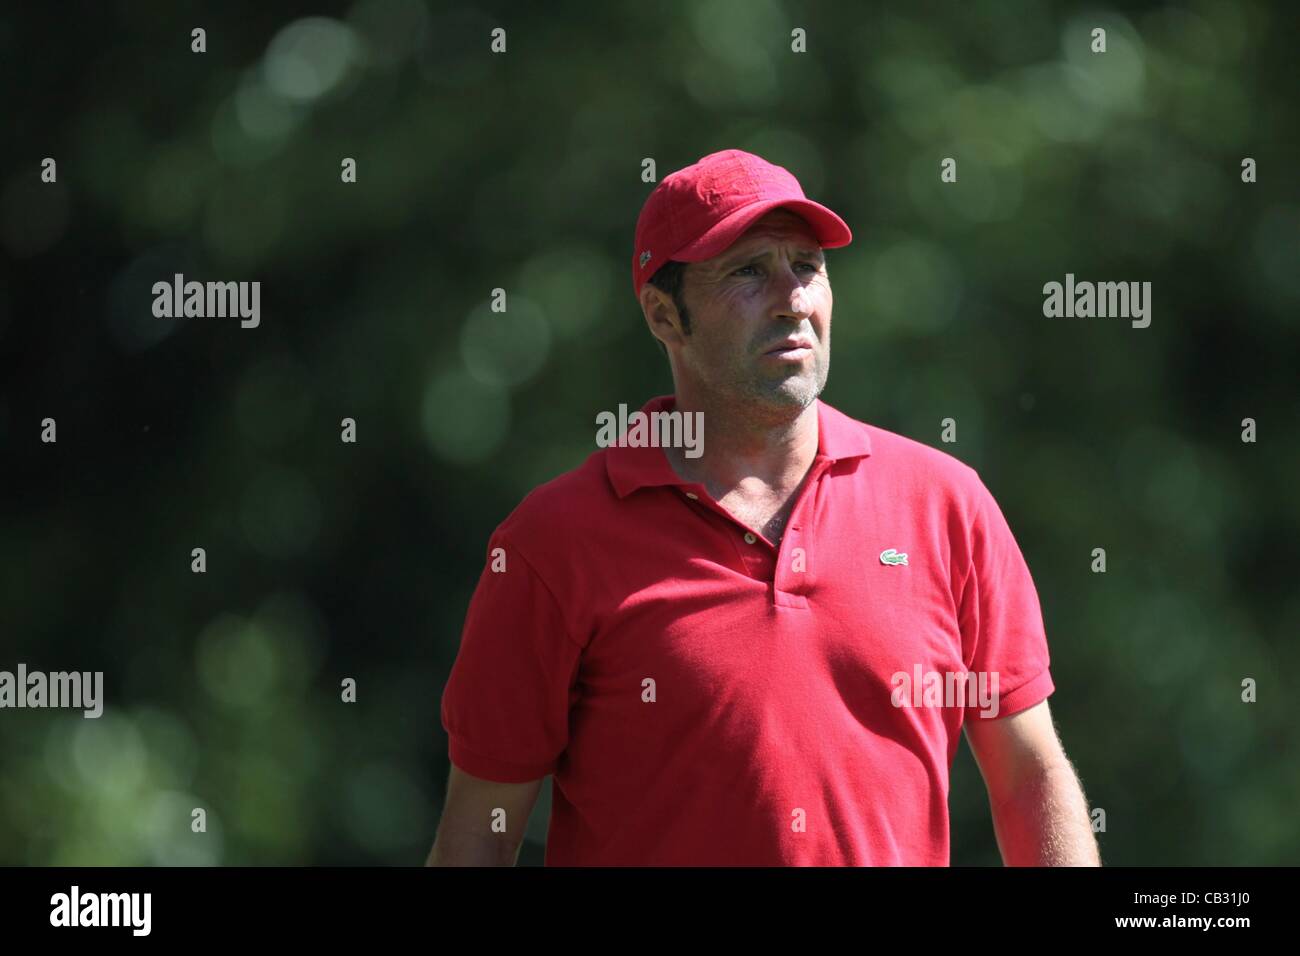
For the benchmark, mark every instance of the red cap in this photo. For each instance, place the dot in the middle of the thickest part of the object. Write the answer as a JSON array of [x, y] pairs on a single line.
[[699, 211]]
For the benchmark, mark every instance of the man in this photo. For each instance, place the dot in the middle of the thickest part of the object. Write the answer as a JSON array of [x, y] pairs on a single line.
[[713, 654]]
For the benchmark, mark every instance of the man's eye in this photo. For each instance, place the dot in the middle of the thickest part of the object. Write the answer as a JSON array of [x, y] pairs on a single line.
[[810, 265]]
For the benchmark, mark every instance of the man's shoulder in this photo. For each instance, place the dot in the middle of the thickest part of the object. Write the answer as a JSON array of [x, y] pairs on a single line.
[[563, 504], [915, 453], [907, 463], [900, 451]]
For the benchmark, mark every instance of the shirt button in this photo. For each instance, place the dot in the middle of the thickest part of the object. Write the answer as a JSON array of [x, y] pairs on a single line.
[[749, 537], [693, 496]]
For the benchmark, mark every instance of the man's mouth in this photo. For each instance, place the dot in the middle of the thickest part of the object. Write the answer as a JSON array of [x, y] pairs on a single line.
[[796, 348]]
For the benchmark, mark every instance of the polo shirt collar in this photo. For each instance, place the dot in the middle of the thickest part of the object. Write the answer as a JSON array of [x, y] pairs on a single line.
[[839, 437]]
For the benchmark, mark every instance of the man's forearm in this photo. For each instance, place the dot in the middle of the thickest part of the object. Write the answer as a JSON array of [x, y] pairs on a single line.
[[462, 849], [1045, 822]]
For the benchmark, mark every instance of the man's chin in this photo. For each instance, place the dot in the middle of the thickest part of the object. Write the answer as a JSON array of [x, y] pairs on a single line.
[[796, 391]]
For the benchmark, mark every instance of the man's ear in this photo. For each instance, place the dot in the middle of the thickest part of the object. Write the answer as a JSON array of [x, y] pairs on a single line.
[[661, 315]]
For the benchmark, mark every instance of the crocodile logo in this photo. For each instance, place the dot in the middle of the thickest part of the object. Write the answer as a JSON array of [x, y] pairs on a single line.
[[892, 557]]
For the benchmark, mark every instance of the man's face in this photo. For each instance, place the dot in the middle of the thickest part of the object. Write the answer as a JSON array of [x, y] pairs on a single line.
[[748, 306]]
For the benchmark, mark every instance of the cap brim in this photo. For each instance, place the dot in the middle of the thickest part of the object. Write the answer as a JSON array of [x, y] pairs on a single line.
[[831, 231]]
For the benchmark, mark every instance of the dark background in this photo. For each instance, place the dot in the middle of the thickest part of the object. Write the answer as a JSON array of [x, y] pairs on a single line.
[[521, 171]]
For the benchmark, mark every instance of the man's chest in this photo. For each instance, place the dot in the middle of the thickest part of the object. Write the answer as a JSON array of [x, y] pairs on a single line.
[[835, 609], [766, 514]]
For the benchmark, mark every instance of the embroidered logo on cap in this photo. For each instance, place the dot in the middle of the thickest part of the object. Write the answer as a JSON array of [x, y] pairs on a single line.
[[645, 257], [892, 557]]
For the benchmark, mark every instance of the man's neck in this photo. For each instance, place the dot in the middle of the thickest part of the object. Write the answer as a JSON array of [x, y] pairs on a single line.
[[740, 448]]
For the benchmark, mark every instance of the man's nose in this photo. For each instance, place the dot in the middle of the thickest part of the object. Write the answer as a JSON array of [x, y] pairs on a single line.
[[801, 302], [792, 298], [795, 300]]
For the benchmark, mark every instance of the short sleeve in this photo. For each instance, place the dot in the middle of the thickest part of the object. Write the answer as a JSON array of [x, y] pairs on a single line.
[[1001, 619], [506, 704]]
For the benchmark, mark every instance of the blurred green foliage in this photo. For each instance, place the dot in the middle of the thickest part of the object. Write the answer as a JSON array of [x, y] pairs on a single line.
[[522, 171]]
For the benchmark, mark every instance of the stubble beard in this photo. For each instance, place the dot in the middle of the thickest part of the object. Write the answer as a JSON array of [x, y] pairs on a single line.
[[781, 398]]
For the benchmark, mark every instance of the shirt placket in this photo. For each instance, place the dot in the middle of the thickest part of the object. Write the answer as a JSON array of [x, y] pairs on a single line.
[[783, 569], [792, 577]]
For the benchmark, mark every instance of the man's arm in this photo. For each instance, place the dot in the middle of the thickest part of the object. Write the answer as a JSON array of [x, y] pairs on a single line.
[[466, 836], [1040, 814]]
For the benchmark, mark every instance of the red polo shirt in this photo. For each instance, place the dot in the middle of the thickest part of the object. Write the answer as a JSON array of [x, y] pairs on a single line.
[[704, 698]]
